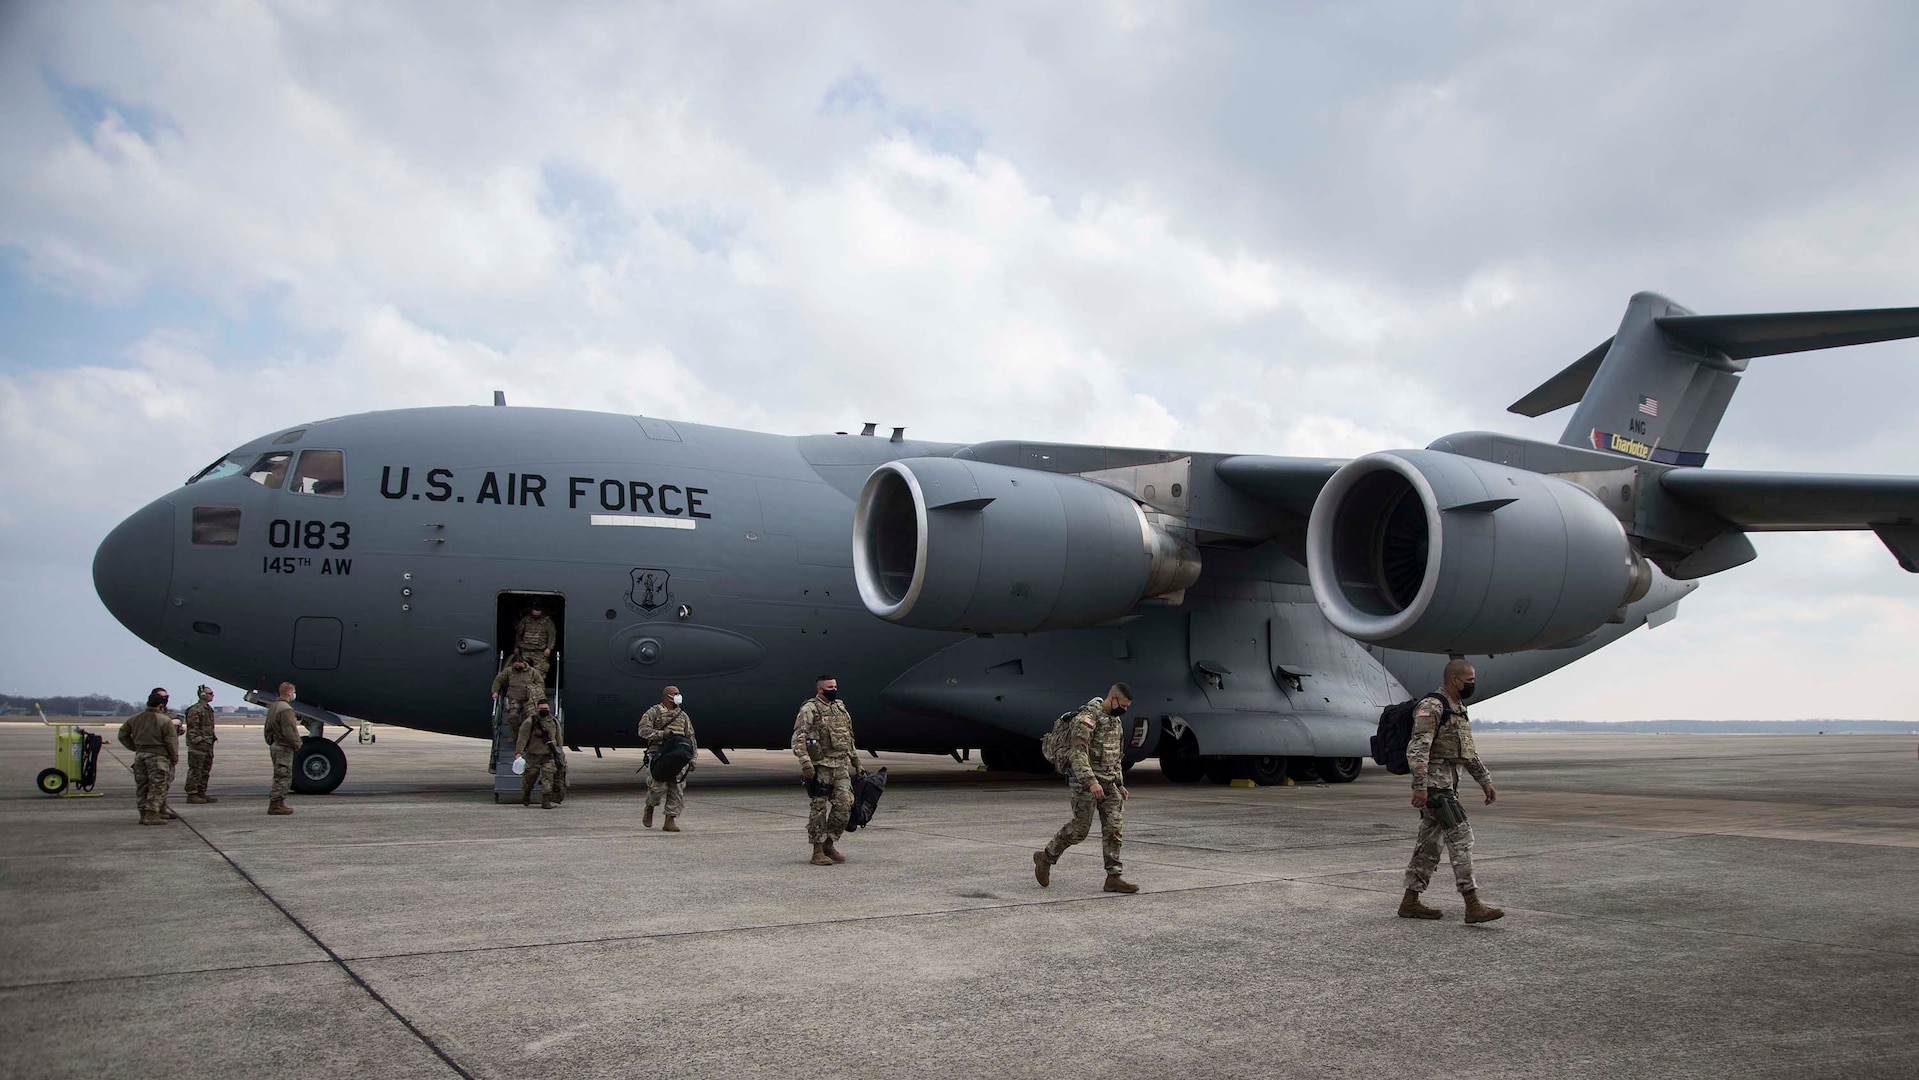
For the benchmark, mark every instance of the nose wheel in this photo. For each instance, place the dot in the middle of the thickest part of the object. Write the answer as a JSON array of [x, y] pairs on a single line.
[[318, 766]]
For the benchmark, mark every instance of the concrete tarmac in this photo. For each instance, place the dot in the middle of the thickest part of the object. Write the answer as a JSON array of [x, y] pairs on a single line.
[[1676, 906]]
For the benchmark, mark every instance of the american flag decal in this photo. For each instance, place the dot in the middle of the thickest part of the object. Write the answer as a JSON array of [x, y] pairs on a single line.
[[1649, 406]]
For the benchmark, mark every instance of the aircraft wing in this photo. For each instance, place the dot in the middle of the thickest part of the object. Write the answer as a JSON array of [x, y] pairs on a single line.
[[1763, 501], [1289, 483]]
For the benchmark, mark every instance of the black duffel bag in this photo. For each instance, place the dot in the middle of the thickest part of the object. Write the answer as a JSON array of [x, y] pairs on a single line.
[[675, 753]]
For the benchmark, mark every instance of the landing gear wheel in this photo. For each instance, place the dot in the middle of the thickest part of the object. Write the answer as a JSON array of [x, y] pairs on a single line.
[[1180, 769], [1301, 770], [318, 766], [51, 781], [1225, 770], [1267, 771], [1337, 770]]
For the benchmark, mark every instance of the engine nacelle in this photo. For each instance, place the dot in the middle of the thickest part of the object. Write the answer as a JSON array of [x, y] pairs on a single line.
[[1433, 552], [950, 544]]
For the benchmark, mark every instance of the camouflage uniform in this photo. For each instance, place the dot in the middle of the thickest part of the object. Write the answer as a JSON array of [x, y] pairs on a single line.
[[156, 752], [521, 690], [1440, 745], [659, 722], [539, 744], [1094, 752], [532, 637], [823, 735], [283, 741], [200, 740]]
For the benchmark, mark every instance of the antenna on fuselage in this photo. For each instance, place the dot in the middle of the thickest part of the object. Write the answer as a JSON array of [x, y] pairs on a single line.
[[499, 397]]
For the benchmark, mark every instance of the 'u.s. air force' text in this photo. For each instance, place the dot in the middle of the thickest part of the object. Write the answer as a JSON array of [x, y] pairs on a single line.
[[531, 489]]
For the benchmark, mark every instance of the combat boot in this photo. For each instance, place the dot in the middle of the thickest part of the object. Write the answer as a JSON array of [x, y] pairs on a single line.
[[546, 801], [819, 856], [646, 819], [198, 799], [167, 812], [669, 826], [1115, 883], [1042, 870], [148, 817], [1477, 912], [1411, 908], [279, 808], [832, 852]]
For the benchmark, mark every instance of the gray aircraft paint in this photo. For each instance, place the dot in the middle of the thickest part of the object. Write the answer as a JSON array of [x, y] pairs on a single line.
[[721, 560]]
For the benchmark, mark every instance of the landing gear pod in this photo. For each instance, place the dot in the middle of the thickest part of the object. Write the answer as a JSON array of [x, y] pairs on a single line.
[[949, 544], [1433, 552]]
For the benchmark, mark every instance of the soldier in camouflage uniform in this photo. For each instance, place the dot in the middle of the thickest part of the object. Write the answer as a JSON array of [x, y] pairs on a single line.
[[539, 744], [1442, 743], [666, 718], [155, 744], [823, 741], [533, 638], [1094, 756], [522, 685], [200, 740], [283, 741]]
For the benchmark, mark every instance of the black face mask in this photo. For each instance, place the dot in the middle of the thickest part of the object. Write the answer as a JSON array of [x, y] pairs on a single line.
[[1117, 710], [830, 695], [1466, 690]]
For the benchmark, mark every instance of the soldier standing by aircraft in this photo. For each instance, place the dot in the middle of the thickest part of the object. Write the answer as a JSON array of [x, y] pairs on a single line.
[[1442, 743], [823, 741], [666, 718], [533, 638], [155, 743], [538, 744], [1095, 756], [283, 741], [200, 740]]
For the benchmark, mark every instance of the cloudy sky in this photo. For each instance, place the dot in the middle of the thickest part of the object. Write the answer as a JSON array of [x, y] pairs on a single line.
[[1289, 229]]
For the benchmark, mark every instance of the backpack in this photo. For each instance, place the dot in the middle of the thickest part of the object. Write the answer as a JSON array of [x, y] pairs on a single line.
[[1396, 731], [867, 789], [1053, 744], [674, 755]]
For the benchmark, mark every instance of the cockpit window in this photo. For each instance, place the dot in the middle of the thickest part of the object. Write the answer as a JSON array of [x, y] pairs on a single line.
[[216, 526], [290, 437], [270, 469], [231, 465], [320, 472]]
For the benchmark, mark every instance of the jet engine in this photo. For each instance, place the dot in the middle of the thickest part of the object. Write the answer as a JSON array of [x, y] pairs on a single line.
[[1433, 552], [951, 544]]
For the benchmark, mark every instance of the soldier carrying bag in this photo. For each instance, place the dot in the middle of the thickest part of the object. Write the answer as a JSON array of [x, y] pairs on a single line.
[[675, 753], [1396, 732]]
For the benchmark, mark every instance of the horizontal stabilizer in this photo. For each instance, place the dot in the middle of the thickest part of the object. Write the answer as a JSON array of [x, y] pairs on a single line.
[[1789, 502], [1290, 483], [1742, 337], [1565, 388]]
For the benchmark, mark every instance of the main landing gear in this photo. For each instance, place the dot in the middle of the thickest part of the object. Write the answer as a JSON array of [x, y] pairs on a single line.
[[1179, 763]]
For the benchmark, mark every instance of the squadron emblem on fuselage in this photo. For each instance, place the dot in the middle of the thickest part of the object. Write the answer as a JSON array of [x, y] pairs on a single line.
[[651, 590]]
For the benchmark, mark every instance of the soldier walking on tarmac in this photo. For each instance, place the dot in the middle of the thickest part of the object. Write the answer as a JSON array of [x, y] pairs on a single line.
[[155, 744], [1095, 757], [823, 741], [283, 741], [200, 740], [538, 743], [666, 718], [1441, 744]]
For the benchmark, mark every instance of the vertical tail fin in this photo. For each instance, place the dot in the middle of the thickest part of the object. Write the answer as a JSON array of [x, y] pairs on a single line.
[[1659, 387]]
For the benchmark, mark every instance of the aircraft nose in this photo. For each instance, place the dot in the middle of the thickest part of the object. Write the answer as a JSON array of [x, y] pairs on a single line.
[[134, 567]]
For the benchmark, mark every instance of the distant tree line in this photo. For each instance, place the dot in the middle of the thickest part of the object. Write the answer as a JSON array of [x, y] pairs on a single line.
[[69, 704]]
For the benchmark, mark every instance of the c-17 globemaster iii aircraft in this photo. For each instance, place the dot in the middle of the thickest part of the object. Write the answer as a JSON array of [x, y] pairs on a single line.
[[1262, 608]]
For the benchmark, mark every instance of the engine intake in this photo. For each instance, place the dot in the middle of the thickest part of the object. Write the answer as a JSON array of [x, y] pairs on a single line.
[[1433, 552], [950, 544]]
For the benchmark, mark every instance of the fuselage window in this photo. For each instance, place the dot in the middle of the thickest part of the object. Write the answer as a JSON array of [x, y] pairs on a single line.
[[290, 437], [216, 526], [231, 465], [320, 472], [271, 469]]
